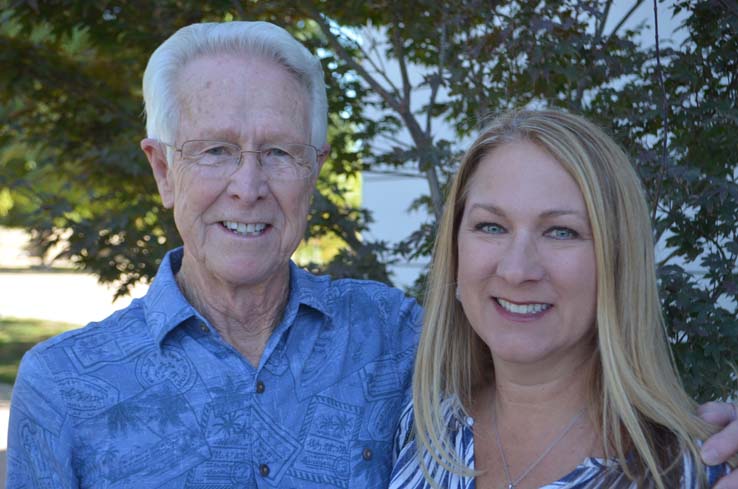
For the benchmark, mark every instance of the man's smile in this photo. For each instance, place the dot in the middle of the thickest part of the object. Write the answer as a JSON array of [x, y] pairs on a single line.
[[245, 229]]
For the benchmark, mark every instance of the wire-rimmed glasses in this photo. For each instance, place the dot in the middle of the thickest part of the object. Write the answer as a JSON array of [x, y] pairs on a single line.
[[278, 161]]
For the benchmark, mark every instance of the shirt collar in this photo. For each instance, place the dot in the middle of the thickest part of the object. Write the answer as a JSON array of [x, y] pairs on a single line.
[[308, 289], [165, 307]]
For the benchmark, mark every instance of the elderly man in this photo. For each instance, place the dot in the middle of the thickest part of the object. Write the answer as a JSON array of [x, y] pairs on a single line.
[[237, 369]]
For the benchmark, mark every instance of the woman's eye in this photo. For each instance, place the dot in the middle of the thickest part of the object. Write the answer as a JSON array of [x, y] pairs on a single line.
[[489, 228], [562, 233]]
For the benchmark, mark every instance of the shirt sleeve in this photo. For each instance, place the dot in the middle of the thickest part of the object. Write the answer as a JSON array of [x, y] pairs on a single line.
[[39, 440], [411, 323]]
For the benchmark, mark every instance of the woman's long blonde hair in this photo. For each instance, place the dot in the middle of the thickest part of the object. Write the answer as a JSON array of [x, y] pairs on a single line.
[[638, 399]]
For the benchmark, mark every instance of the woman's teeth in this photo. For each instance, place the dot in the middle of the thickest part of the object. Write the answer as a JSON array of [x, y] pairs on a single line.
[[522, 308]]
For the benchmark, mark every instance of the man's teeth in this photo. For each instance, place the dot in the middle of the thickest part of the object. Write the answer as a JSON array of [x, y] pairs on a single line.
[[522, 308], [246, 229]]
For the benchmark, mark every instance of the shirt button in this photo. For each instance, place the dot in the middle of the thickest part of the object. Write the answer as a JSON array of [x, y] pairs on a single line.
[[367, 454], [264, 470], [260, 389], [204, 328]]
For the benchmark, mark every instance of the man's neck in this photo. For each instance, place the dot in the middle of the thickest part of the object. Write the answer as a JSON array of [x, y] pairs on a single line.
[[244, 316]]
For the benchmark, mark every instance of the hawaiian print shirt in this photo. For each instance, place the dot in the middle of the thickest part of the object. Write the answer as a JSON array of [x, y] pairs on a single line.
[[153, 396]]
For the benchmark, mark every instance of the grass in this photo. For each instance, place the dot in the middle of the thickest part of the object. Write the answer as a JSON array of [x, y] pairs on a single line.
[[18, 335]]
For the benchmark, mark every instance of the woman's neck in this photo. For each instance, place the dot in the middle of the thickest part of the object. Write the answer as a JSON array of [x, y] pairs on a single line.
[[562, 387], [520, 419]]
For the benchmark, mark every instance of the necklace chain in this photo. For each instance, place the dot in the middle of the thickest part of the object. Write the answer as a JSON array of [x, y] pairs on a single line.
[[511, 484]]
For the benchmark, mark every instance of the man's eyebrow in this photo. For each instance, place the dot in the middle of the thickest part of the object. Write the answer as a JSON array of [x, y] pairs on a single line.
[[219, 134], [233, 135]]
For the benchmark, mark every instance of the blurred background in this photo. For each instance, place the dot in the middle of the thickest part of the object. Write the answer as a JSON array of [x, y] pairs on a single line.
[[409, 83]]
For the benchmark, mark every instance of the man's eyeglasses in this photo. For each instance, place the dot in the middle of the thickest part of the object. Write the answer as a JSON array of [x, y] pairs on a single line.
[[278, 161]]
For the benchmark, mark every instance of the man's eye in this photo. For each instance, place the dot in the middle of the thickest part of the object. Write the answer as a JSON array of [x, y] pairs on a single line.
[[562, 233], [489, 228], [276, 152], [217, 151]]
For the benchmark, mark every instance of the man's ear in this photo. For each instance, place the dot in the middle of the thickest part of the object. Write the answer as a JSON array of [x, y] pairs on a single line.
[[156, 154], [323, 155]]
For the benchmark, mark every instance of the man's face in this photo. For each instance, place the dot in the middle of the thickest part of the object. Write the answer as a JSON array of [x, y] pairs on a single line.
[[238, 229]]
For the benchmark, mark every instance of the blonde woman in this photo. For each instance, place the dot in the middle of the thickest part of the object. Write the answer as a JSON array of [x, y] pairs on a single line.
[[543, 360]]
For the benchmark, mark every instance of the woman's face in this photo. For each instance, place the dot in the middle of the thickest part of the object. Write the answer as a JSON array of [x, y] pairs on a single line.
[[527, 273]]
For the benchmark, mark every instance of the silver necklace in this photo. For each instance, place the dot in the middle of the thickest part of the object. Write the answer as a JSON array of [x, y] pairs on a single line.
[[512, 484]]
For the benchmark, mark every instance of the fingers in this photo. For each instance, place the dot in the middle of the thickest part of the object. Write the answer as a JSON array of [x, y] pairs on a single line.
[[718, 413], [722, 445]]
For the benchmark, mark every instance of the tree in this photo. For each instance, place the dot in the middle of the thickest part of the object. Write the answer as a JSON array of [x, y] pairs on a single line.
[[426, 65], [71, 122], [673, 109]]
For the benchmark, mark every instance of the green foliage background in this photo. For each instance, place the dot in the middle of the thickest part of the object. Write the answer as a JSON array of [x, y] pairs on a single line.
[[70, 122]]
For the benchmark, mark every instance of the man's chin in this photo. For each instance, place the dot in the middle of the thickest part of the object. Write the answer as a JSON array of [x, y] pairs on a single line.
[[245, 271]]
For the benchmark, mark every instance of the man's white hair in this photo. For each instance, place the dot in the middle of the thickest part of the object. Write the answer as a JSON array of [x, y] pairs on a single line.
[[161, 103]]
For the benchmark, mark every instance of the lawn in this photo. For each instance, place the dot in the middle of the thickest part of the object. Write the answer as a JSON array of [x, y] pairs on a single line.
[[19, 335]]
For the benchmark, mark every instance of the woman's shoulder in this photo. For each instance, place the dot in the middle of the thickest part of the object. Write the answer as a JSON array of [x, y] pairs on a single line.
[[407, 472], [404, 428], [452, 412]]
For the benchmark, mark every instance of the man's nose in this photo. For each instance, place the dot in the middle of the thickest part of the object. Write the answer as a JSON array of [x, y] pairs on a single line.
[[248, 181]]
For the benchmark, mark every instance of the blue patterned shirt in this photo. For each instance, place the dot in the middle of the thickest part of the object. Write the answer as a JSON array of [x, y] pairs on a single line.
[[153, 396], [407, 474]]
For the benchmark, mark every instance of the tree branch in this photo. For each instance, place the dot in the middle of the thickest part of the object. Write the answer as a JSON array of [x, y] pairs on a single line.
[[388, 98], [378, 69], [601, 25], [422, 142], [664, 110], [624, 19], [395, 140], [671, 255], [400, 53], [435, 82]]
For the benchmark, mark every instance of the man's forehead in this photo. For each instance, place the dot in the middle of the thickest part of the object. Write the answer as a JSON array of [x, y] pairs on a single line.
[[221, 96], [227, 76], [208, 67]]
